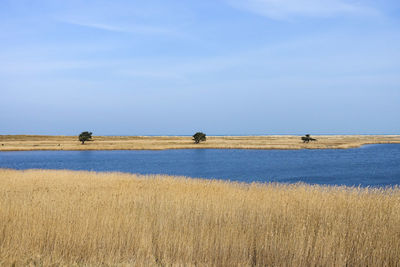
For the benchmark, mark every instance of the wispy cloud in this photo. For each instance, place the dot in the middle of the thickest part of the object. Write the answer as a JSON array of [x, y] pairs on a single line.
[[130, 29], [287, 9], [34, 67], [151, 73]]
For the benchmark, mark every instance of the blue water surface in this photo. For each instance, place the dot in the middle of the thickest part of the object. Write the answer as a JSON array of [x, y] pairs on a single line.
[[370, 165]]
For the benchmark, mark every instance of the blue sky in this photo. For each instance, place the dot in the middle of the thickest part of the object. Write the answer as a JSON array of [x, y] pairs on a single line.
[[221, 67]]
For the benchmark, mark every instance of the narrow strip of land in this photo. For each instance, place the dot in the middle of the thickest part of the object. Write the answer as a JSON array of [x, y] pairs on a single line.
[[41, 142]]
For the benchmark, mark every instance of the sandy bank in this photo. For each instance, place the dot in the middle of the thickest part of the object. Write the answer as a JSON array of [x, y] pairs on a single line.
[[40, 142]]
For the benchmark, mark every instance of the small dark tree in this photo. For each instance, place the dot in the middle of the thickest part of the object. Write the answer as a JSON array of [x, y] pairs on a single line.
[[307, 138], [85, 136], [198, 137]]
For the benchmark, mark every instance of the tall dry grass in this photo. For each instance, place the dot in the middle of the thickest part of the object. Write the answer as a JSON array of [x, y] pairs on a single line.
[[86, 218]]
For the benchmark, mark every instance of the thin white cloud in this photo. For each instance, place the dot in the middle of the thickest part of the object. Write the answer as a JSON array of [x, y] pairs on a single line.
[[162, 74], [21, 66], [131, 29], [287, 9]]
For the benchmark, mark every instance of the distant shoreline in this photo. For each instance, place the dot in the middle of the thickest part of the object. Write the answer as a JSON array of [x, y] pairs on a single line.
[[47, 142]]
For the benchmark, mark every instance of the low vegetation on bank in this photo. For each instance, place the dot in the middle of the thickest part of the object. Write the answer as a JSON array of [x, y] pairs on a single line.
[[41, 142], [86, 218]]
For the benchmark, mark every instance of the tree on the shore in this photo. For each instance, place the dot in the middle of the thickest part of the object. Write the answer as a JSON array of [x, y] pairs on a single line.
[[85, 136], [307, 138], [198, 137]]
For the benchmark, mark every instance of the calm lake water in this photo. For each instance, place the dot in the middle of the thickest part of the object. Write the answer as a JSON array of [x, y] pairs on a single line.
[[370, 165]]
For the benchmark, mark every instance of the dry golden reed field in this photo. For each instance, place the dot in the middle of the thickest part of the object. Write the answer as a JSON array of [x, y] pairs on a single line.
[[41, 142], [86, 218]]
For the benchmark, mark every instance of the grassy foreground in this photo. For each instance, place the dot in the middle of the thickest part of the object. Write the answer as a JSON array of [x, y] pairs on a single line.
[[86, 218], [40, 142]]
